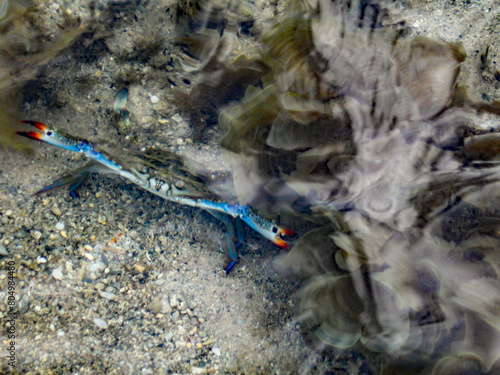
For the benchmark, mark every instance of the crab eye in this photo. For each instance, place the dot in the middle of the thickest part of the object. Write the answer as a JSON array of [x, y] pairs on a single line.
[[49, 132], [275, 229]]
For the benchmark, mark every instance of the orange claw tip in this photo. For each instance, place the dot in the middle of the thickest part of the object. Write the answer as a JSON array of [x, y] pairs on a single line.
[[286, 232], [32, 135], [281, 243], [36, 124]]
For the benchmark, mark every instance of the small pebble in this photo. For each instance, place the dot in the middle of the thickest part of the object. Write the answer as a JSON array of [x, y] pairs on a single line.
[[56, 211], [175, 316], [177, 118], [36, 234], [64, 234], [59, 225], [57, 273], [106, 295], [3, 250], [8, 213], [100, 323], [154, 99], [216, 351], [179, 141], [180, 344], [96, 266], [139, 268], [173, 301], [41, 260]]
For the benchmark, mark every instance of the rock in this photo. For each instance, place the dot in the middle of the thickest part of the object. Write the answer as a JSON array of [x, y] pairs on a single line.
[[3, 250], [57, 273], [96, 266], [173, 301], [59, 225], [36, 234], [56, 211], [175, 316], [107, 295], [216, 351], [156, 305], [100, 323], [154, 99], [177, 118]]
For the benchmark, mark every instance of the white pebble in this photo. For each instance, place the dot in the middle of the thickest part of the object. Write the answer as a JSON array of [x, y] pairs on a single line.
[[94, 267], [100, 323], [57, 273], [173, 301], [107, 295], [59, 225], [216, 351], [154, 99], [89, 256], [41, 260], [177, 118], [3, 250]]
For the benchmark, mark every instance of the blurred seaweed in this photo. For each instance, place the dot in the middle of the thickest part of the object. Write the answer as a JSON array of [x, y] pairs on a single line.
[[364, 130], [23, 50]]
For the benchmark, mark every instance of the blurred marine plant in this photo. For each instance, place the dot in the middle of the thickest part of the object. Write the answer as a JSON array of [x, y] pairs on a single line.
[[23, 49], [366, 132]]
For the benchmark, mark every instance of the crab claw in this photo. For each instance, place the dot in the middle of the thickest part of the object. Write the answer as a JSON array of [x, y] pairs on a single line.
[[279, 241], [36, 124], [31, 134]]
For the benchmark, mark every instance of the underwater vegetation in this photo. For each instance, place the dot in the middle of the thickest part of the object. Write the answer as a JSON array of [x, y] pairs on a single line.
[[24, 48], [366, 132]]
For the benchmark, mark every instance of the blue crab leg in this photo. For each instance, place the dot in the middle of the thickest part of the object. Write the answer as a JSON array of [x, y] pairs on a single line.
[[75, 180], [234, 237]]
